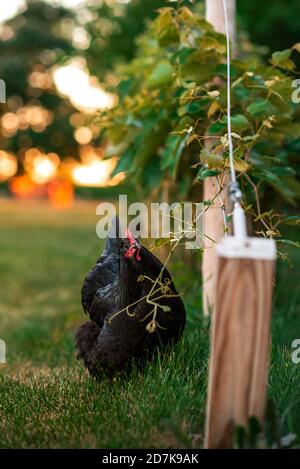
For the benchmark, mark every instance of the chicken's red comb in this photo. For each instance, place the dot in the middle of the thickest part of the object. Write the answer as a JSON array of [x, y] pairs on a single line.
[[129, 236]]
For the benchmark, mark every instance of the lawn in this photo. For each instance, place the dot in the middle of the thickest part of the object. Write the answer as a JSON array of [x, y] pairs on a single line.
[[47, 398]]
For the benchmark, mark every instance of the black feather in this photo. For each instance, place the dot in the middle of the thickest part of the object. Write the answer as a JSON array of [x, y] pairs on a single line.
[[110, 342]]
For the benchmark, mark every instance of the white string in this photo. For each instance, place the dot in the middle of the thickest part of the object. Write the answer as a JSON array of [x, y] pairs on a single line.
[[230, 144], [231, 161], [239, 219]]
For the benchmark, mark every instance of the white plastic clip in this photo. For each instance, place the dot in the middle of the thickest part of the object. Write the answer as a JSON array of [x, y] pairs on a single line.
[[239, 222]]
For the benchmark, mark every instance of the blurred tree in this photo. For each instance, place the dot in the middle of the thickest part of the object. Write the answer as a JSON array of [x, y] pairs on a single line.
[[113, 31], [275, 24], [41, 36], [115, 25], [35, 116], [173, 96]]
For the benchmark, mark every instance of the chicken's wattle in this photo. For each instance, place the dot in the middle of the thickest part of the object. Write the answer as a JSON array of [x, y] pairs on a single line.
[[133, 250]]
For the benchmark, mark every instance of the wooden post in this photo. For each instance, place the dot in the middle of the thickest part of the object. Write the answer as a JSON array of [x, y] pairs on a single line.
[[214, 13], [213, 219], [240, 344]]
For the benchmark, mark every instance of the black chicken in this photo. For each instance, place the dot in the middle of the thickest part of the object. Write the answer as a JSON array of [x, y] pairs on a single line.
[[132, 313]]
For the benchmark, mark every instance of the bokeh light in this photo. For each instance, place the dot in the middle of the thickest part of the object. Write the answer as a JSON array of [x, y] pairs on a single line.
[[41, 167], [84, 91], [94, 171], [8, 165], [60, 194], [83, 135], [36, 117], [23, 187]]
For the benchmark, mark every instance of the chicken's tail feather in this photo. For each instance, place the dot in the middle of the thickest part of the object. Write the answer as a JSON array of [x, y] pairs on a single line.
[[85, 338]]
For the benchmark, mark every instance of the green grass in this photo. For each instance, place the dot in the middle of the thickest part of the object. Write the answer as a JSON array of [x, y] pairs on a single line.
[[47, 398]]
